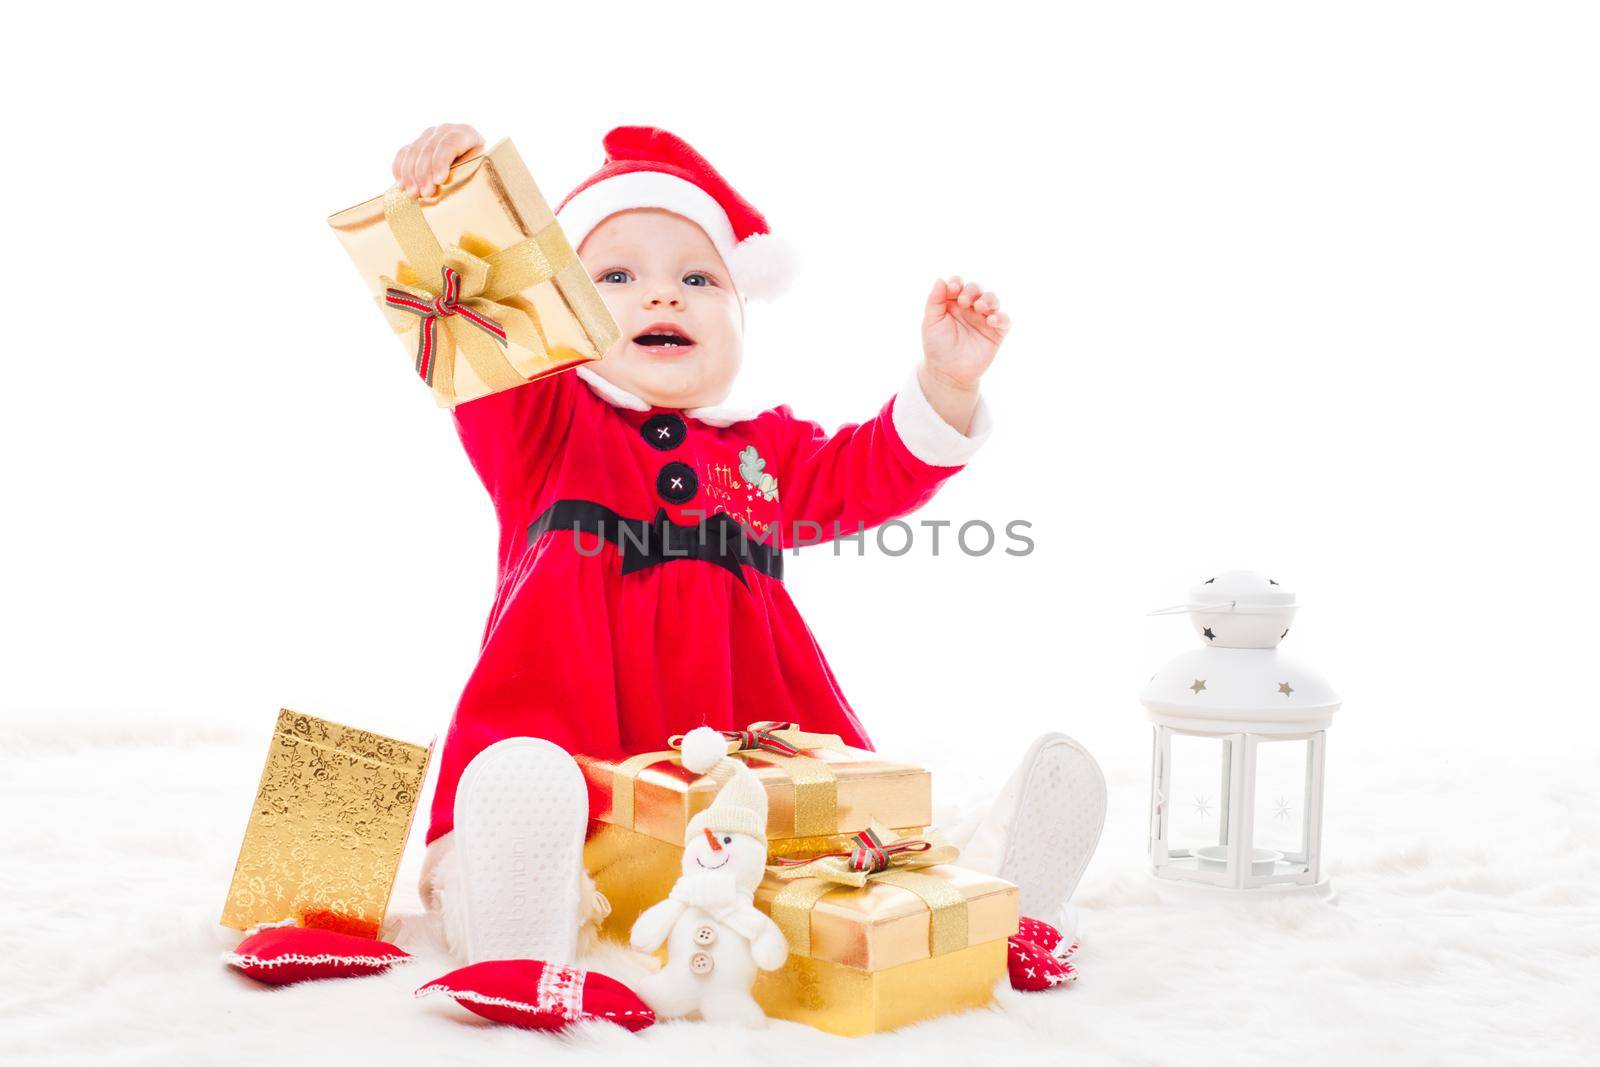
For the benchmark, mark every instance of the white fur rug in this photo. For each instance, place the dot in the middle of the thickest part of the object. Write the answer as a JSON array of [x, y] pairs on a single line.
[[1466, 930]]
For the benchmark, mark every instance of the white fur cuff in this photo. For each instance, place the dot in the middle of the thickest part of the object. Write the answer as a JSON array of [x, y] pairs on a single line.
[[931, 439]]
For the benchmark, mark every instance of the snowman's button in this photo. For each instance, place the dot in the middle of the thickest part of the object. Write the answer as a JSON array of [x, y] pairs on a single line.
[[700, 963], [705, 935]]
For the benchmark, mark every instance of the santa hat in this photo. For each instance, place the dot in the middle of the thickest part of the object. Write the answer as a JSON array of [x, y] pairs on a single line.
[[647, 167], [740, 806]]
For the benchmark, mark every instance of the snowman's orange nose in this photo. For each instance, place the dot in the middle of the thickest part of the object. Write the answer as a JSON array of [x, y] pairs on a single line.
[[716, 846]]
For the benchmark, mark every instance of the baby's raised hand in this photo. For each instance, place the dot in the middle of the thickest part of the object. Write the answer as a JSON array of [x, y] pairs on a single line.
[[961, 331], [421, 166]]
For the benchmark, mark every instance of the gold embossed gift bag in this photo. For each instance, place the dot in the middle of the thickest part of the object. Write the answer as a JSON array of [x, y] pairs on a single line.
[[478, 280], [327, 828]]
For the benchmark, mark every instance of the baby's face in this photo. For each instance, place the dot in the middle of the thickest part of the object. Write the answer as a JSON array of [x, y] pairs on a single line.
[[681, 319]]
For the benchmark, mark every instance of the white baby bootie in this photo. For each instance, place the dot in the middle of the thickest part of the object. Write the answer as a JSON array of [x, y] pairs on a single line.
[[1043, 828], [520, 814]]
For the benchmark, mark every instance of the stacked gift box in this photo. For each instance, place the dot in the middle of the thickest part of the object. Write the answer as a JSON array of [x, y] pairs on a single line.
[[869, 950]]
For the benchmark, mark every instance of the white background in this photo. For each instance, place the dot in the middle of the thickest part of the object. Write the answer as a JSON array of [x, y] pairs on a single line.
[[1309, 290]]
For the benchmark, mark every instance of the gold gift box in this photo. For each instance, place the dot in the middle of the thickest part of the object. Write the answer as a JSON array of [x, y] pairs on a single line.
[[327, 829], [635, 870], [865, 788], [869, 967], [489, 222]]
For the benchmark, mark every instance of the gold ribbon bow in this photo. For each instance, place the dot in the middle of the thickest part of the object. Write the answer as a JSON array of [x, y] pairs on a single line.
[[816, 787], [490, 280], [893, 861]]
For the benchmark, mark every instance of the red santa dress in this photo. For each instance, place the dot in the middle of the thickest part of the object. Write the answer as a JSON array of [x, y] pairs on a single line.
[[640, 589]]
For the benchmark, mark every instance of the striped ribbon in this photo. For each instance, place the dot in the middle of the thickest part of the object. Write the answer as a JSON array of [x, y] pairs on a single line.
[[869, 853], [816, 787], [757, 737], [879, 856], [442, 306]]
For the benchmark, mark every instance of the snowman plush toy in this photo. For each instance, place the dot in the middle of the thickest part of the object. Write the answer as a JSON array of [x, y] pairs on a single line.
[[716, 939]]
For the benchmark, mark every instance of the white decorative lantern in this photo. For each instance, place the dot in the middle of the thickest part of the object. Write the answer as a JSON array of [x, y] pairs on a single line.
[[1240, 733]]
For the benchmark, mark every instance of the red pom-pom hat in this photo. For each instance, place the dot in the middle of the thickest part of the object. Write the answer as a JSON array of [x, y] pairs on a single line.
[[647, 167]]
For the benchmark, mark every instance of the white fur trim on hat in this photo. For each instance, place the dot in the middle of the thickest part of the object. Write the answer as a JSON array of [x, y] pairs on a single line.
[[640, 189], [928, 437], [762, 266]]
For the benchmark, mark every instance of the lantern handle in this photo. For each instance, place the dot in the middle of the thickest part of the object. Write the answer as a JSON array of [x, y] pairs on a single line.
[[1231, 606]]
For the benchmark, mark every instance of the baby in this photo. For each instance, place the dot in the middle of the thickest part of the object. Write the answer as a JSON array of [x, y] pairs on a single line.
[[640, 588]]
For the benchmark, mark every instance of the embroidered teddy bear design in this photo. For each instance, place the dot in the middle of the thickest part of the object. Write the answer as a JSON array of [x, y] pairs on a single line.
[[752, 469]]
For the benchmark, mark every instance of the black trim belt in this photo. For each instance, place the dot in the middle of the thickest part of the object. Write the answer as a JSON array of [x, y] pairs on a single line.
[[719, 539]]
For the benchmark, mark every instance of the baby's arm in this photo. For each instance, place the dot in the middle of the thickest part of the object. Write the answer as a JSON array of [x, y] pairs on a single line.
[[962, 327], [831, 485]]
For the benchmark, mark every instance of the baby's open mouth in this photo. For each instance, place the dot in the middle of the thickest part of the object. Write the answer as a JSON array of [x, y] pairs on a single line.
[[663, 337]]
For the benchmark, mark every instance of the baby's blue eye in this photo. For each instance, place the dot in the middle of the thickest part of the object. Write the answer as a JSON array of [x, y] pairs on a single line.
[[616, 277], [696, 278]]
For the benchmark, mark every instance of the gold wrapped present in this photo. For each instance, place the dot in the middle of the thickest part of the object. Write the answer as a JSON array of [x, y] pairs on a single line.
[[478, 279], [634, 870], [819, 791], [327, 828], [870, 949]]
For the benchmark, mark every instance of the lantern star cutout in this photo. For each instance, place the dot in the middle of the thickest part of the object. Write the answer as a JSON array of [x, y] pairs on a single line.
[[1285, 688], [1281, 809], [1202, 806], [1199, 685]]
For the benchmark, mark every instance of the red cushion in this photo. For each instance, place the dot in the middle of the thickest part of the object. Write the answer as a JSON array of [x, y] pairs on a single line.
[[1032, 967], [541, 996], [1039, 932], [285, 953]]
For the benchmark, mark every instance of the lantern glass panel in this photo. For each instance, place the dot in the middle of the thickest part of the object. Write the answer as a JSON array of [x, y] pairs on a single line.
[[1197, 803], [1281, 795]]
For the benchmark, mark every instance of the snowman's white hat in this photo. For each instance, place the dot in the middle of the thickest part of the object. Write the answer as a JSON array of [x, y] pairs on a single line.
[[740, 806]]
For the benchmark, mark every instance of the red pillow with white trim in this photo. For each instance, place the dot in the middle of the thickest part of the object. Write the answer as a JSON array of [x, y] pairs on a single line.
[[281, 953], [541, 996], [1032, 967], [1039, 932], [1045, 936]]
